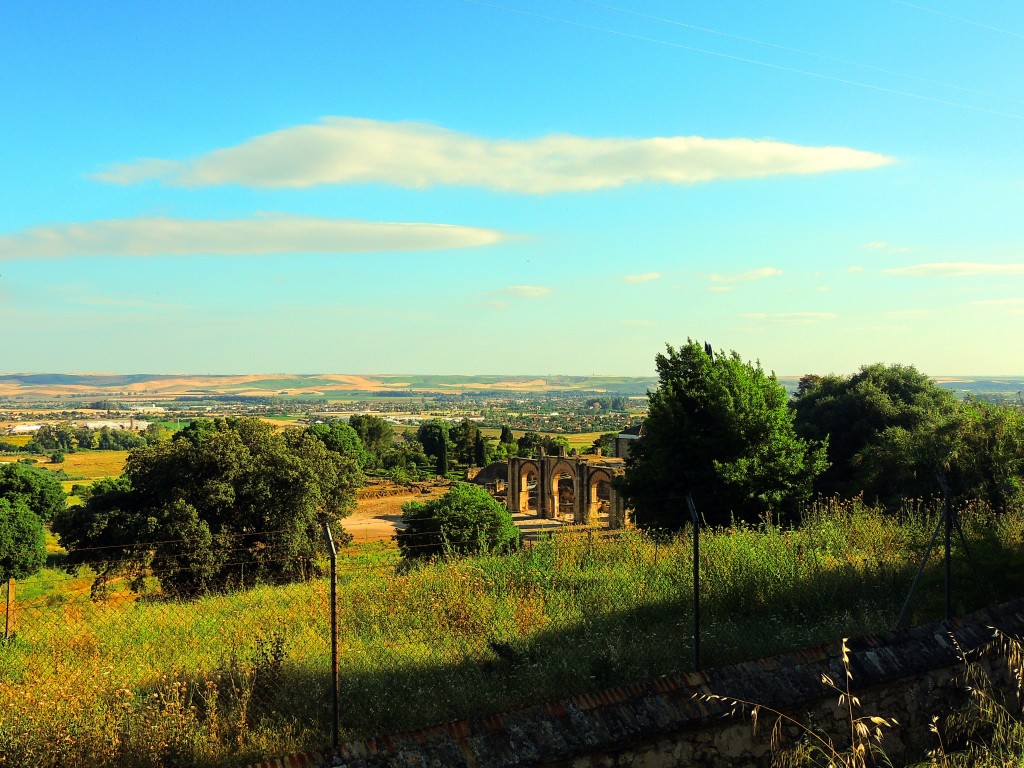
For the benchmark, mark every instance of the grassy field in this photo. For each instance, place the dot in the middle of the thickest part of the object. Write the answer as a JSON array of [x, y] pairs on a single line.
[[230, 679]]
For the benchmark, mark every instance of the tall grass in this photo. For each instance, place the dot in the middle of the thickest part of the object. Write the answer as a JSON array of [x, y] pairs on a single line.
[[231, 678]]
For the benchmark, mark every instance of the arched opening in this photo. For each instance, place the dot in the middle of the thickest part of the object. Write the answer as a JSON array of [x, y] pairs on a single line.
[[599, 499], [563, 493], [529, 489]]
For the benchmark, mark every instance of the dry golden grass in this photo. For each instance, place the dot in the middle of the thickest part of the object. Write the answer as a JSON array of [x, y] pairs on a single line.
[[90, 465], [93, 465]]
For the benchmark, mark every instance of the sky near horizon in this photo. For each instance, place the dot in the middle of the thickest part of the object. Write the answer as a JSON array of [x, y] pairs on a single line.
[[511, 187]]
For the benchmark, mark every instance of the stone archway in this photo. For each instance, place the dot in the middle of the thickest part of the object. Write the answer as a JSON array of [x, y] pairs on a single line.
[[524, 494], [576, 489], [598, 499], [562, 485]]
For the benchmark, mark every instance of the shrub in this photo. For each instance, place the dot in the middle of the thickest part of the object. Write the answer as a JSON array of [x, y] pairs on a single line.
[[466, 520]]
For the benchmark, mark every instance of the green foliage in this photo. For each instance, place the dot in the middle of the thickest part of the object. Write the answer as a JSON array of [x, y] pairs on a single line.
[[464, 437], [223, 503], [342, 438], [465, 520], [38, 489], [432, 435], [605, 443], [718, 428], [854, 413], [531, 442], [976, 448], [376, 434], [22, 540]]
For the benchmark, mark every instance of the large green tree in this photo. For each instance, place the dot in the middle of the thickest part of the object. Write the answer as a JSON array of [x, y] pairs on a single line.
[[855, 413], [22, 540], [224, 503], [38, 489], [976, 450], [720, 429]]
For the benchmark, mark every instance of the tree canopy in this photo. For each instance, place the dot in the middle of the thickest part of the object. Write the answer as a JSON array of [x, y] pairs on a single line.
[[38, 489], [719, 428], [226, 502], [466, 520], [22, 540], [342, 438], [856, 413], [976, 450]]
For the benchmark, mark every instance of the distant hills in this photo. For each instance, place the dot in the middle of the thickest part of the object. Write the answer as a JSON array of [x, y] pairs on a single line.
[[339, 386], [321, 385]]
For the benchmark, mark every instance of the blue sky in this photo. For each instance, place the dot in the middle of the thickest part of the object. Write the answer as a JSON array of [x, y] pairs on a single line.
[[531, 187]]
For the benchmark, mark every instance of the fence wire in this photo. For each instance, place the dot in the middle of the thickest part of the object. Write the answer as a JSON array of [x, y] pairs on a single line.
[[245, 673]]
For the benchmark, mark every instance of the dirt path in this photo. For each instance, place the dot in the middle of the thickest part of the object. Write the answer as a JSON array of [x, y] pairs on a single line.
[[376, 518]]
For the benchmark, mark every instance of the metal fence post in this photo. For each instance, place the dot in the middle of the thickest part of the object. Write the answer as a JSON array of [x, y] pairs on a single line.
[[696, 581], [9, 612], [334, 635]]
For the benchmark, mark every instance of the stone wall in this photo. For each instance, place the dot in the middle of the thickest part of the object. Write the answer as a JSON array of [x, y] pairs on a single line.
[[664, 723]]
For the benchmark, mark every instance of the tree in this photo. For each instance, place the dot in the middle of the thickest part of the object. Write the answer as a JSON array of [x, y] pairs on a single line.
[[22, 540], [531, 442], [223, 503], [342, 438], [376, 434], [854, 413], [465, 436], [38, 489], [719, 428], [466, 520], [507, 436], [433, 436], [604, 443], [977, 449]]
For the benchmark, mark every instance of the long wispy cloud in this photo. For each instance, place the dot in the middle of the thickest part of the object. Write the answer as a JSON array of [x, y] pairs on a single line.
[[267, 235], [958, 269], [347, 150], [644, 277], [798, 318], [527, 291], [999, 302], [743, 277]]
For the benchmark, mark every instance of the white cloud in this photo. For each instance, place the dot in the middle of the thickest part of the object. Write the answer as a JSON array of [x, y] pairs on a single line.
[[527, 291], [958, 269], [855, 268], [797, 318], [887, 247], [347, 150], [999, 302], [909, 313], [753, 274], [272, 234], [646, 277]]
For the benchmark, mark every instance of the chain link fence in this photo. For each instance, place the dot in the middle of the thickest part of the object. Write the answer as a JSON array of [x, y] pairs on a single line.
[[125, 675]]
